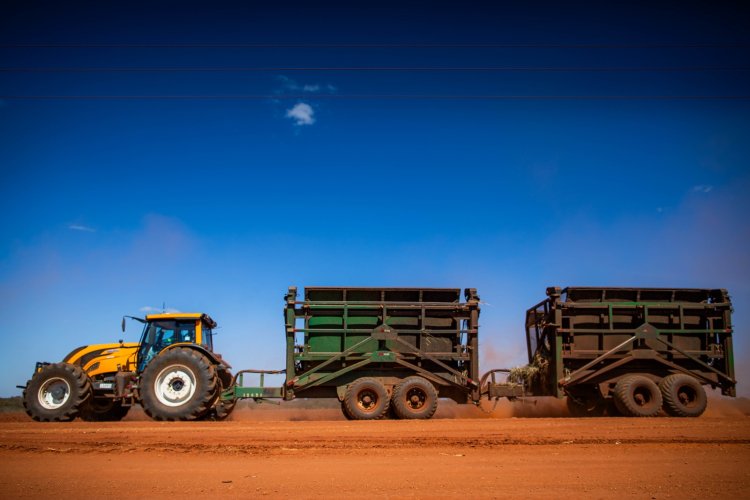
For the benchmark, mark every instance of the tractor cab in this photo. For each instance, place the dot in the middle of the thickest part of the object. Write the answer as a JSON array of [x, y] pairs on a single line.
[[162, 331]]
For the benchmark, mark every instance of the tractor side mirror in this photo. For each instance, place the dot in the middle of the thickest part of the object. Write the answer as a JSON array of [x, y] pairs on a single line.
[[123, 324]]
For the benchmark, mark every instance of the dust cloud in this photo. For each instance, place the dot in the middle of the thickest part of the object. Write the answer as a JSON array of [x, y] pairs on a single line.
[[329, 410]]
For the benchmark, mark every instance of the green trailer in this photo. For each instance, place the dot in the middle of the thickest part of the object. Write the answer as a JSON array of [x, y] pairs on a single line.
[[632, 351], [378, 350]]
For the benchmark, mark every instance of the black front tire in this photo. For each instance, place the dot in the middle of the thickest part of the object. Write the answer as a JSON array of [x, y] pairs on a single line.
[[56, 393], [179, 384]]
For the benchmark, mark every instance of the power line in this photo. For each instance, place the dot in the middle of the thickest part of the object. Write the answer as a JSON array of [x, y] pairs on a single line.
[[562, 69], [377, 97], [382, 45]]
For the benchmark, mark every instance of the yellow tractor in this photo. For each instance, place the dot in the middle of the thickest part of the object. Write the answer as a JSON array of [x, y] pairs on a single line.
[[172, 372]]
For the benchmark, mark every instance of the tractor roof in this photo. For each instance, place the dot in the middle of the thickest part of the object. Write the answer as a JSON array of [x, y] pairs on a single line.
[[193, 316]]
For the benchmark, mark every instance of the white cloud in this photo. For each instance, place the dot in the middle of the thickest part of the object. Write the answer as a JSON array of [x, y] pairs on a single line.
[[702, 188], [79, 227], [302, 114], [292, 86]]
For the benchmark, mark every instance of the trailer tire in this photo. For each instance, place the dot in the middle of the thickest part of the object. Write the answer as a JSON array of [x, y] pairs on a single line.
[[683, 395], [345, 412], [586, 405], [103, 410], [56, 393], [415, 398], [637, 396], [179, 384], [366, 399]]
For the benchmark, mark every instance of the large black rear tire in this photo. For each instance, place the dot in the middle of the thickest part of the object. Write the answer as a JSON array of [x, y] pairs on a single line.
[[683, 395], [103, 410], [415, 398], [637, 396], [56, 393], [179, 384], [366, 399]]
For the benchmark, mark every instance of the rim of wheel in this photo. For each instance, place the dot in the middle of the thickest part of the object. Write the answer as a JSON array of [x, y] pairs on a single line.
[[175, 385], [642, 396], [54, 393], [416, 398], [687, 396], [367, 400]]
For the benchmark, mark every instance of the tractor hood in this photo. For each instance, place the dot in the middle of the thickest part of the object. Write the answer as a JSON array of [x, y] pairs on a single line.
[[97, 359]]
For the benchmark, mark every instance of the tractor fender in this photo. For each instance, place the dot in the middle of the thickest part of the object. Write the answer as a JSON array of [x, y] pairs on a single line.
[[213, 357]]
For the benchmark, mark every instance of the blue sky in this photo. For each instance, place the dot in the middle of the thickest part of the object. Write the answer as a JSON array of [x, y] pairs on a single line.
[[113, 206]]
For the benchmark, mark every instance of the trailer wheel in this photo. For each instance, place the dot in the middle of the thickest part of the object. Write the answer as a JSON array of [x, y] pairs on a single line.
[[345, 412], [415, 398], [179, 384], [637, 396], [56, 393], [683, 395], [366, 399], [103, 410], [589, 404]]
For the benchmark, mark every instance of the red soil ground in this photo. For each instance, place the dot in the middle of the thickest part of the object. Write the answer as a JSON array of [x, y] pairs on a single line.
[[309, 453]]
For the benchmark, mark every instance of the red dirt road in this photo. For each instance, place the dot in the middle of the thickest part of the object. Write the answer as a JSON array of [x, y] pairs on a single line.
[[274, 454]]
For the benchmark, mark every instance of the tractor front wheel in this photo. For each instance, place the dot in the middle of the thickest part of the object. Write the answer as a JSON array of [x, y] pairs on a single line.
[[179, 384], [56, 393]]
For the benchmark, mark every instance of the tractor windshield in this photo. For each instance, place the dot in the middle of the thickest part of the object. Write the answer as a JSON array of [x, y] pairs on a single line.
[[207, 336], [159, 334]]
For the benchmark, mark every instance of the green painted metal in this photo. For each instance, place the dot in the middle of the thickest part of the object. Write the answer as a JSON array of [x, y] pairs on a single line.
[[335, 335], [258, 392], [583, 335]]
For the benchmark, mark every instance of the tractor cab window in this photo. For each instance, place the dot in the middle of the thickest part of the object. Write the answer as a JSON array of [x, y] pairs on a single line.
[[207, 337], [158, 335]]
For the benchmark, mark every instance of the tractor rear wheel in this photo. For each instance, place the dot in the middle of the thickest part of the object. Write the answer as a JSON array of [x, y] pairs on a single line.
[[366, 399], [179, 384], [103, 410], [415, 398], [683, 395], [637, 396], [56, 393]]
